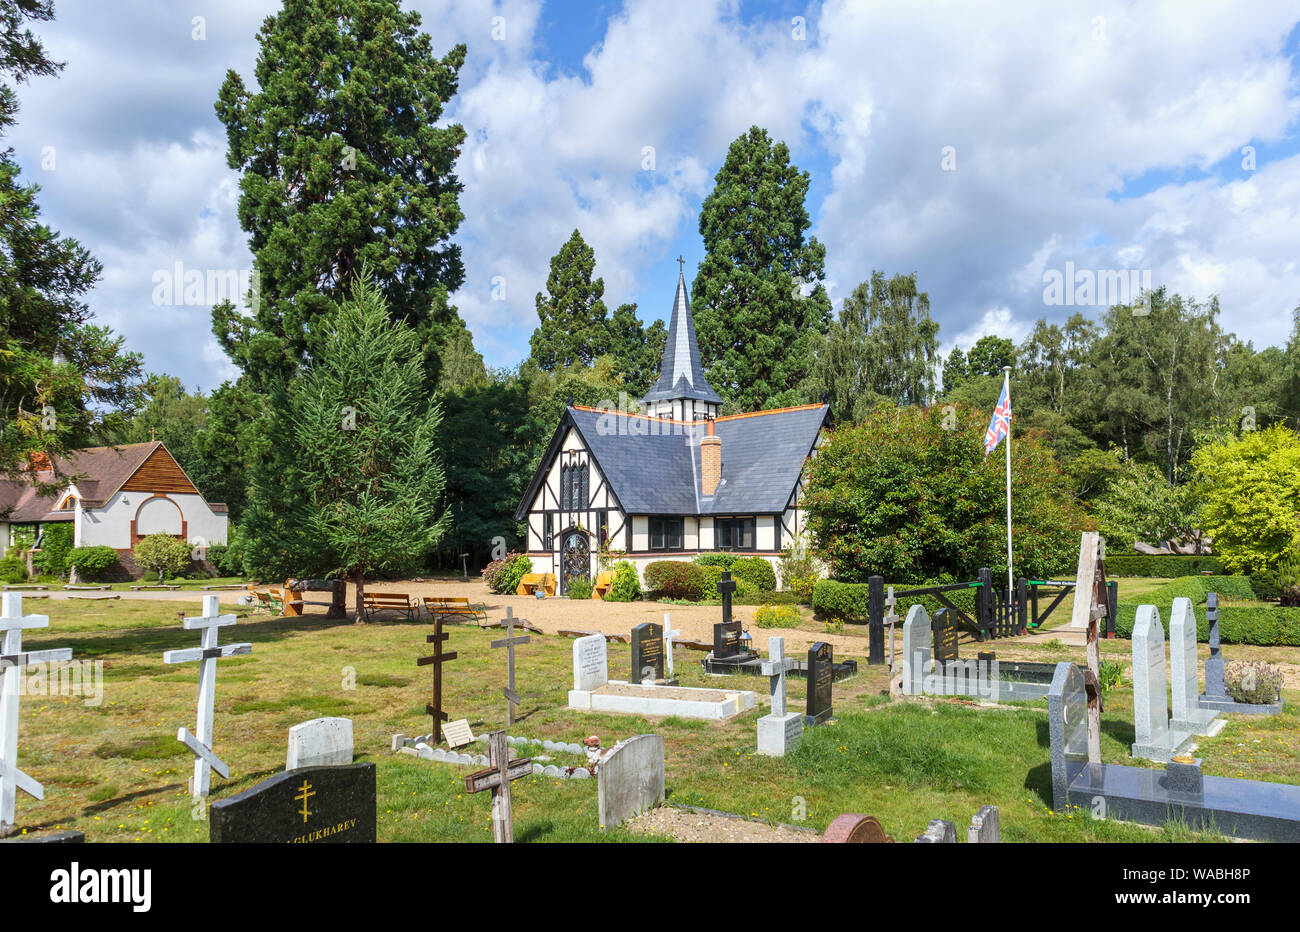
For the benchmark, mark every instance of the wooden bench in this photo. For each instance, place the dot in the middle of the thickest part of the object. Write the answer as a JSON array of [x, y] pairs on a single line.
[[534, 581], [269, 601], [454, 607], [167, 586], [375, 602], [601, 586]]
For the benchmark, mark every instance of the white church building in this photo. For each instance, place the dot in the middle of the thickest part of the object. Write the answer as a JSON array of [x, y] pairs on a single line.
[[116, 496], [674, 482]]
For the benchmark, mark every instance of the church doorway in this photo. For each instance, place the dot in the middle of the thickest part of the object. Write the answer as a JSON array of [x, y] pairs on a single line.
[[575, 558]]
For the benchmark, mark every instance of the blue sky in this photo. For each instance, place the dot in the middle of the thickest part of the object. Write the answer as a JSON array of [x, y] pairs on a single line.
[[980, 145]]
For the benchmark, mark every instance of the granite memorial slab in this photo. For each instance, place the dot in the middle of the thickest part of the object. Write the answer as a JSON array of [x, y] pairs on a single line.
[[916, 650], [306, 806], [1216, 692], [821, 662], [944, 627], [1184, 683], [647, 652], [1154, 739]]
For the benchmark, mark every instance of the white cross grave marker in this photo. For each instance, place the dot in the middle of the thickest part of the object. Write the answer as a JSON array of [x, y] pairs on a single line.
[[205, 761], [891, 619], [776, 667], [12, 661], [669, 634]]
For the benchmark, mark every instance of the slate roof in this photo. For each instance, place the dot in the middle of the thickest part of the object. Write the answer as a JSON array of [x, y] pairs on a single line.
[[102, 471], [681, 375], [653, 464]]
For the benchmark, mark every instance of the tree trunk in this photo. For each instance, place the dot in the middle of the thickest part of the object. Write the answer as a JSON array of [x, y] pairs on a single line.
[[359, 580]]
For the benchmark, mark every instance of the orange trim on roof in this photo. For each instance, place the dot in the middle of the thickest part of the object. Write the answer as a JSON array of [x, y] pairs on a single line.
[[669, 420]]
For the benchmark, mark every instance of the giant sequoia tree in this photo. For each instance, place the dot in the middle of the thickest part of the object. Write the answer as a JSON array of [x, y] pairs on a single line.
[[753, 322], [343, 163], [572, 320]]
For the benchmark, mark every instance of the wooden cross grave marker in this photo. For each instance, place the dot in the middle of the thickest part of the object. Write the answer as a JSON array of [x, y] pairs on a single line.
[[1090, 607], [509, 642], [437, 658], [497, 777], [669, 634], [726, 586], [205, 760], [12, 661]]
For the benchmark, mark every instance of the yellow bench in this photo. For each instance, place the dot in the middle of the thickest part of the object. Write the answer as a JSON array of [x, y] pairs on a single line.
[[602, 584], [534, 581], [454, 606], [375, 602]]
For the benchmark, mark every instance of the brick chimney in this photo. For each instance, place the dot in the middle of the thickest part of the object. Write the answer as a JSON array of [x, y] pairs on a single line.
[[710, 460]]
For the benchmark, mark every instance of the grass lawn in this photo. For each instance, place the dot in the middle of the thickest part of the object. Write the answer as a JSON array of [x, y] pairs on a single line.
[[117, 773]]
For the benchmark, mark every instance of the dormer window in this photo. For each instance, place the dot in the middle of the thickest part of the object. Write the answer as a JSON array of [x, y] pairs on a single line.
[[69, 503]]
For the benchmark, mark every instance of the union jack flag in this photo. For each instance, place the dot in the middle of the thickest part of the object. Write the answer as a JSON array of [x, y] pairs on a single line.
[[1000, 425]]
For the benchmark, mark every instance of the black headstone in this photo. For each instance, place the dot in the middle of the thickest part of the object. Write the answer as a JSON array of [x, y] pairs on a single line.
[[726, 640], [647, 652], [821, 674], [944, 627], [307, 805]]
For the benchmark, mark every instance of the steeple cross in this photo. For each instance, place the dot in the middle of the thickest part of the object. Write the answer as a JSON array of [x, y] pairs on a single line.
[[681, 265]]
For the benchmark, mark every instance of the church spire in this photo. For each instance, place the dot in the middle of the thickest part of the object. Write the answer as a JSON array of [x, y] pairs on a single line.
[[681, 390]]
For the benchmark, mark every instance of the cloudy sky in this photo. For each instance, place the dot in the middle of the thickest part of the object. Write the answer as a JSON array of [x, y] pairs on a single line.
[[981, 145]]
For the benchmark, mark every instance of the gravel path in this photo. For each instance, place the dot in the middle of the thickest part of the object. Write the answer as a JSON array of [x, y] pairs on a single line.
[[689, 826]]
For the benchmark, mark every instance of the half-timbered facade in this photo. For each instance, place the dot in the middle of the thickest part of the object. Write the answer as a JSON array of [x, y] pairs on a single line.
[[672, 483]]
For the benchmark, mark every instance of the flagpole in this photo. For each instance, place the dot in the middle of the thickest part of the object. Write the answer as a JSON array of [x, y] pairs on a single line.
[[1006, 387]]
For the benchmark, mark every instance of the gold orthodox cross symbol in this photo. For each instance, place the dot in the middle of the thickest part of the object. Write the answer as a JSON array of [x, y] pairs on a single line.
[[305, 792]]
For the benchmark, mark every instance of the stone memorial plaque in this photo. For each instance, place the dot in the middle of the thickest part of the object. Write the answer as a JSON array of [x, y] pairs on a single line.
[[590, 662], [647, 652], [305, 806], [945, 636], [458, 733], [821, 674], [726, 640], [321, 742]]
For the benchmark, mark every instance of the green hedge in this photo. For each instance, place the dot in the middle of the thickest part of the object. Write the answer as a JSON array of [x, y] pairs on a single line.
[[674, 579], [92, 562], [841, 601], [756, 571], [1171, 565], [1265, 626]]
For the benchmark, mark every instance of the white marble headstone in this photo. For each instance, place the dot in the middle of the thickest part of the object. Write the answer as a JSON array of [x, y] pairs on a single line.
[[1184, 685], [590, 662], [917, 639], [1153, 738], [321, 742]]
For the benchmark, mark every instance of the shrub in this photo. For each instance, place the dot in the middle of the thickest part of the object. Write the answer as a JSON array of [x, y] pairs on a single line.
[[56, 544], [756, 571], [1252, 681], [579, 588], [710, 575], [798, 570], [229, 558], [92, 562], [12, 571], [1172, 565], [626, 586], [163, 554], [674, 579], [848, 601], [1264, 625], [504, 575], [1197, 587], [1111, 675], [723, 560], [776, 616]]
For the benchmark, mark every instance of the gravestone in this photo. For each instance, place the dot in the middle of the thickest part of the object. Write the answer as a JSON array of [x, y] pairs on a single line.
[[855, 828], [630, 779], [780, 730], [1216, 691], [509, 642], [916, 650], [945, 636], [984, 828], [669, 634], [312, 805], [458, 733], [321, 742], [938, 832], [590, 662], [200, 743], [726, 586], [1067, 725], [12, 660], [1154, 739], [647, 652], [437, 659], [821, 675], [726, 640], [1187, 712]]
